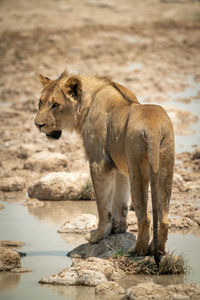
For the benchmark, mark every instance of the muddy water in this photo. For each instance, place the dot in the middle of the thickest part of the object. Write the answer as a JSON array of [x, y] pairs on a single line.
[[46, 251], [187, 100]]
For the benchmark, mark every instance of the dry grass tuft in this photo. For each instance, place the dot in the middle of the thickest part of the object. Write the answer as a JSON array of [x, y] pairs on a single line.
[[87, 192], [170, 264]]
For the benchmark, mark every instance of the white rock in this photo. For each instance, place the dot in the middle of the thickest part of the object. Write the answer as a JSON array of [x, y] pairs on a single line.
[[80, 224], [46, 161], [180, 297], [11, 244], [150, 290], [87, 272], [12, 184], [109, 288], [59, 186], [143, 290]]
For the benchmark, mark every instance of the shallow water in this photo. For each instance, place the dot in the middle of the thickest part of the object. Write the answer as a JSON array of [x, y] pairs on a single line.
[[187, 100], [192, 93], [46, 251]]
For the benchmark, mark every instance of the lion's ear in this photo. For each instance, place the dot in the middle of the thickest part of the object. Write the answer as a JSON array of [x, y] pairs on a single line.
[[44, 80], [73, 88]]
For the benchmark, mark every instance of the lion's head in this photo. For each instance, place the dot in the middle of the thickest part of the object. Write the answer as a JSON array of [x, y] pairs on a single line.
[[58, 104]]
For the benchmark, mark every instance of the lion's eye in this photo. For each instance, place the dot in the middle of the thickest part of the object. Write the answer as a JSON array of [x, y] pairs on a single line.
[[54, 105], [40, 103]]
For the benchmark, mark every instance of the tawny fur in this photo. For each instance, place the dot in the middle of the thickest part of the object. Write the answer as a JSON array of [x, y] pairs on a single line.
[[128, 146]]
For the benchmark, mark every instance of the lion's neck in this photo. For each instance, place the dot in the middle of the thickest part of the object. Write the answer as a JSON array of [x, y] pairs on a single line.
[[90, 86]]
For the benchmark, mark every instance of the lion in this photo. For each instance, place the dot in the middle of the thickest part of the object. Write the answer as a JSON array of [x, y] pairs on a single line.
[[128, 145]]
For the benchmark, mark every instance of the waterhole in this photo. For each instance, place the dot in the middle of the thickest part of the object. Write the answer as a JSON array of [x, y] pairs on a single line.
[[46, 251]]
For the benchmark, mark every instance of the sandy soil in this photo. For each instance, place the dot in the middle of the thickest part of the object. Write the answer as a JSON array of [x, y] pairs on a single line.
[[150, 46]]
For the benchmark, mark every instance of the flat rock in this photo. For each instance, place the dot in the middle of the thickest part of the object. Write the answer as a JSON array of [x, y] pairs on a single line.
[[59, 186], [20, 270], [109, 288], [80, 224], [88, 272], [11, 244], [106, 247], [12, 184], [149, 290], [9, 259], [46, 161]]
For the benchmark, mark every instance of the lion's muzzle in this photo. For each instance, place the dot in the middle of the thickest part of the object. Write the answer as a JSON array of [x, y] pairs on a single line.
[[55, 134]]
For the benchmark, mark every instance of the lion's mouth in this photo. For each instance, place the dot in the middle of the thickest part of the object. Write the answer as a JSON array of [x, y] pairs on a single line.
[[55, 134]]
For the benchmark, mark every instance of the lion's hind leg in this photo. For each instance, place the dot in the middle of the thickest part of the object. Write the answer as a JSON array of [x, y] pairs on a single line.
[[139, 179], [164, 192]]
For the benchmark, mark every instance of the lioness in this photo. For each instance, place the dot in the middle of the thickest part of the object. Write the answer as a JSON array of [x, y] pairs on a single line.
[[127, 145]]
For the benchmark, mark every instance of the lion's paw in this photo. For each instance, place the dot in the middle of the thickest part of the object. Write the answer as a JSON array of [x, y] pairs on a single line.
[[136, 251], [96, 236]]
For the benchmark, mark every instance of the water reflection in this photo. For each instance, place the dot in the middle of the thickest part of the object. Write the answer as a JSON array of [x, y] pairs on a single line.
[[46, 251], [79, 292], [165, 280], [187, 245], [59, 212], [9, 280]]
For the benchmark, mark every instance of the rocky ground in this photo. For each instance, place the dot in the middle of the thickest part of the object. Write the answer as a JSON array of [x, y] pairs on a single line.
[[153, 56], [150, 46]]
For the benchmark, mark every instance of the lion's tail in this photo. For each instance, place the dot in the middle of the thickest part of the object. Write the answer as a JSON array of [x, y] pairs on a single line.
[[153, 150]]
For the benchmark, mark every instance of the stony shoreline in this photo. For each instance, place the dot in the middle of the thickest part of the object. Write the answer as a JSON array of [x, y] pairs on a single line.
[[152, 47]]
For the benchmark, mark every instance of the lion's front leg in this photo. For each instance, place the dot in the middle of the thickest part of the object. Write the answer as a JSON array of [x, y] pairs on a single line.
[[119, 205], [103, 182]]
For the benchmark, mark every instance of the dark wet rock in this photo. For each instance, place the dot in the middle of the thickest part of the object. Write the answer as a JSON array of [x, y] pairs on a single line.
[[88, 272], [9, 259], [46, 161], [22, 254], [81, 224], [149, 290], [59, 186], [106, 247], [11, 244], [11, 184], [196, 154], [109, 288]]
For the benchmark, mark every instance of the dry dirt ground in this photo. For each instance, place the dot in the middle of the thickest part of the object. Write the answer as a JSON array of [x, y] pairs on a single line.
[[150, 46]]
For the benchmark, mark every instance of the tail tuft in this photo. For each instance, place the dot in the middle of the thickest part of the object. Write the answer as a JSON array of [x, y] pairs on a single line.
[[157, 258]]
